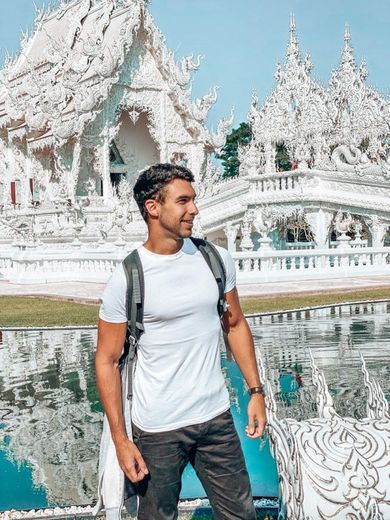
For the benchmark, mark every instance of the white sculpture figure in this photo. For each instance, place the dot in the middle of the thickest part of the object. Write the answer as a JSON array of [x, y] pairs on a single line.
[[264, 220], [358, 227], [208, 184], [264, 223], [342, 225], [246, 243], [332, 467], [252, 160], [378, 229]]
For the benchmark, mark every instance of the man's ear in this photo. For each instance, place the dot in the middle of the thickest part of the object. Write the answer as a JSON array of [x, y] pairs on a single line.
[[152, 208]]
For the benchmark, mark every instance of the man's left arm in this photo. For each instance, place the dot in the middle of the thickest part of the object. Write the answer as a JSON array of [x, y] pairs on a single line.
[[241, 344]]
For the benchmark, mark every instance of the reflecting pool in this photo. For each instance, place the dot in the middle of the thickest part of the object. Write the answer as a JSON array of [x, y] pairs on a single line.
[[50, 415]]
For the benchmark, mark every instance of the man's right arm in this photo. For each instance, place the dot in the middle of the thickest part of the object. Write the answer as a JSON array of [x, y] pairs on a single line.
[[111, 337]]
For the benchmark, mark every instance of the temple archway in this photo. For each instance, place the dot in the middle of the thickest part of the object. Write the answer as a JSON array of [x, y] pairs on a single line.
[[133, 148]]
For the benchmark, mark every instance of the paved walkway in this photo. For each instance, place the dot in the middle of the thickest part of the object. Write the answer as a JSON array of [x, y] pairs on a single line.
[[269, 289], [90, 292]]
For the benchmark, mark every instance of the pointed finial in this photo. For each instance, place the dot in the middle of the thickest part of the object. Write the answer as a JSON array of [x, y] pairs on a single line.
[[292, 49], [347, 34], [292, 23], [347, 54]]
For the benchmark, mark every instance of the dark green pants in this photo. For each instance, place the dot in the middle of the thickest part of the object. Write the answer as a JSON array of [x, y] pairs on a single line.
[[213, 448]]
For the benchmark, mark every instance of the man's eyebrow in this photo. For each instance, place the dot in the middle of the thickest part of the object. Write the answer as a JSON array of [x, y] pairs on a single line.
[[186, 197]]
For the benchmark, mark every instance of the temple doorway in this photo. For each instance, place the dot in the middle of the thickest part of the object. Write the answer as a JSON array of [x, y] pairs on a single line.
[[133, 149]]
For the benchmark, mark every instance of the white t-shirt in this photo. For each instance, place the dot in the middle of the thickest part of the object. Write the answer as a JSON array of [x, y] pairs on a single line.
[[178, 380]]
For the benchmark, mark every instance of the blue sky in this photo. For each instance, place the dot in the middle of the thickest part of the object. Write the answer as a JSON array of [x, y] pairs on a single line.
[[243, 40]]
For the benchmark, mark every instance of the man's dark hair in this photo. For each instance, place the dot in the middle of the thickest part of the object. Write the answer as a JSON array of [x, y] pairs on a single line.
[[152, 182]]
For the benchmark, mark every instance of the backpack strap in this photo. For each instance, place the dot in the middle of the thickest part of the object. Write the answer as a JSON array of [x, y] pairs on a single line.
[[211, 254], [214, 260], [135, 293], [135, 313]]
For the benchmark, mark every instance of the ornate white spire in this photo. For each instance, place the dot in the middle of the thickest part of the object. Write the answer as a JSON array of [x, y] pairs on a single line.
[[292, 26], [357, 111], [292, 48], [347, 54], [347, 34]]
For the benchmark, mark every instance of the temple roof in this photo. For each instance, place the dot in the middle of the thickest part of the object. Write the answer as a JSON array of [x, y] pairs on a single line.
[[66, 69], [310, 119]]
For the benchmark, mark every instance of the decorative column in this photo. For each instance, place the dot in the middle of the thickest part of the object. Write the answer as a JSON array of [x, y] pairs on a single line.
[[103, 153], [163, 128], [26, 189], [7, 179], [74, 171], [231, 231]]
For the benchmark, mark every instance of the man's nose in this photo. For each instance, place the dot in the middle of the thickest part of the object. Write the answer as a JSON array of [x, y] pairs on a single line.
[[194, 209]]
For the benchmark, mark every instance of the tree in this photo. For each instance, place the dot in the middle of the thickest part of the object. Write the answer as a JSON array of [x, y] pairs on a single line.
[[282, 160], [229, 153]]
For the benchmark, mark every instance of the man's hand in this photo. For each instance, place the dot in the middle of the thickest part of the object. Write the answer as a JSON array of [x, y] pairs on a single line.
[[131, 461], [257, 417]]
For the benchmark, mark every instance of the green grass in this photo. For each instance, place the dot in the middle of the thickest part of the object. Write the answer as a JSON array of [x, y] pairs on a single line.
[[19, 311], [296, 301]]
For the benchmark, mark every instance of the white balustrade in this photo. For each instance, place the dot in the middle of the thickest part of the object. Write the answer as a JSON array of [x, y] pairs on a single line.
[[275, 265], [36, 266], [277, 182], [58, 265]]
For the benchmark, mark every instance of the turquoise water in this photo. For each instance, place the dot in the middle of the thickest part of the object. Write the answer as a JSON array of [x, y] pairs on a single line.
[[50, 414], [16, 485], [261, 466], [52, 422]]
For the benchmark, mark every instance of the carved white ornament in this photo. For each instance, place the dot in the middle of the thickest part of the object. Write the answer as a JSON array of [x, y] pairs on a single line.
[[332, 467]]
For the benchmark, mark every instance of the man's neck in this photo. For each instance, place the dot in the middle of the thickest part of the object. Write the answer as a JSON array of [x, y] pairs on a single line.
[[165, 246]]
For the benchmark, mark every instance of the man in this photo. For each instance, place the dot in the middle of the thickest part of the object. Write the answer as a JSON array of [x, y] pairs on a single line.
[[180, 410]]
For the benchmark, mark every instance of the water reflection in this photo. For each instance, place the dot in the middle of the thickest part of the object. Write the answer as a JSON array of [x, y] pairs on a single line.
[[50, 410], [50, 416], [336, 337]]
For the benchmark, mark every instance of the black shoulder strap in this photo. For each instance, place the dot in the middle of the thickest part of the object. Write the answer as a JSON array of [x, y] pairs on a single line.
[[134, 301], [135, 292], [211, 254]]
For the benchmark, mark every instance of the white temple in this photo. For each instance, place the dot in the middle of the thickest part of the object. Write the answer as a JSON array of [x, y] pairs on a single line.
[[95, 96], [337, 140]]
